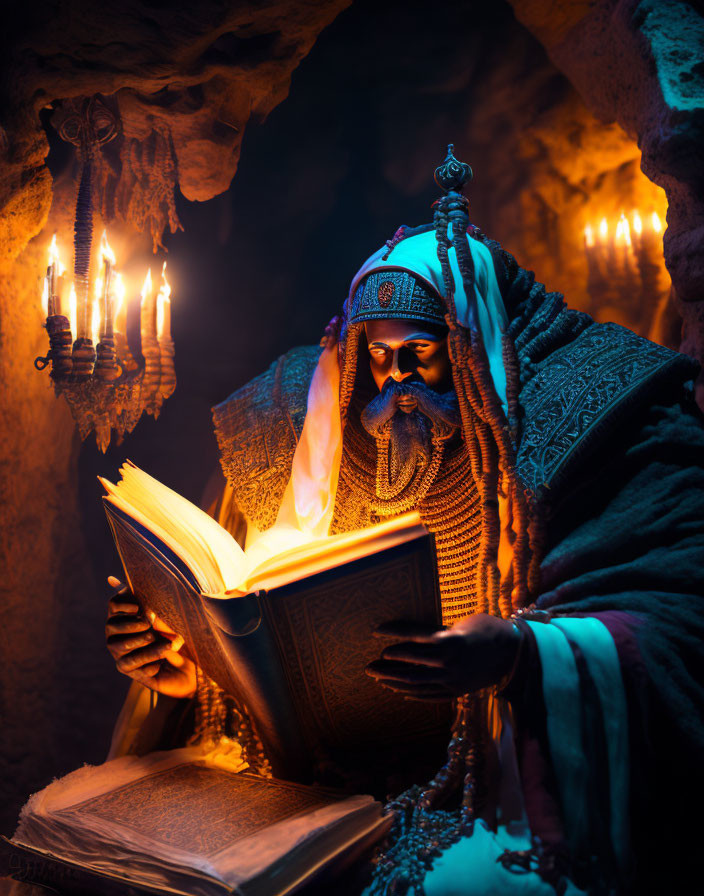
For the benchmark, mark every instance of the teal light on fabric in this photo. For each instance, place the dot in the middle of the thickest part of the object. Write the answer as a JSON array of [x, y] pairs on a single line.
[[564, 723], [599, 651], [472, 868], [418, 255]]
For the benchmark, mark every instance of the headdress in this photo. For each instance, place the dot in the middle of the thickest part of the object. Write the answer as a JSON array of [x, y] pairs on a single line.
[[395, 293], [438, 272]]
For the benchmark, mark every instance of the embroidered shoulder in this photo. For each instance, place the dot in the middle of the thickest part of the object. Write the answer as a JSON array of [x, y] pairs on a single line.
[[580, 391], [258, 428]]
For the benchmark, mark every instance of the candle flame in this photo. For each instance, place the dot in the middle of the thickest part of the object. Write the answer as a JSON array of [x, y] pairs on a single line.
[[165, 288], [656, 222], [147, 288], [637, 223], [589, 236], [73, 310], [54, 257], [603, 229], [98, 289], [45, 298], [106, 252], [119, 293], [95, 322], [623, 231]]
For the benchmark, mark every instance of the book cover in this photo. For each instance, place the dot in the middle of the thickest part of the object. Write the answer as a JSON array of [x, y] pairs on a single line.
[[295, 655], [177, 822]]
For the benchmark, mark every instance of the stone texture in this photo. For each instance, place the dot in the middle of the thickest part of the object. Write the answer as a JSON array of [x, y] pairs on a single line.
[[186, 79], [642, 64]]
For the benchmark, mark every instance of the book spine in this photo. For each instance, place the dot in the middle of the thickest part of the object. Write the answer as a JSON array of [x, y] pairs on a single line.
[[245, 636]]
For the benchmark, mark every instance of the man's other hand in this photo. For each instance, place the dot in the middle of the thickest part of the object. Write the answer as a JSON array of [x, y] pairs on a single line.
[[430, 664], [143, 650]]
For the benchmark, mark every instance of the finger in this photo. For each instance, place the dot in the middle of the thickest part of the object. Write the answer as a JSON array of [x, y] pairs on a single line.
[[161, 626], [126, 625], [137, 658], [120, 645], [114, 582], [413, 652], [122, 606], [151, 669], [405, 673], [416, 690], [147, 679], [428, 698], [175, 659], [407, 631]]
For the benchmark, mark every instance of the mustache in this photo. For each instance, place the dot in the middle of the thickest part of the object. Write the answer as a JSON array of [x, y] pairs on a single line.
[[416, 405]]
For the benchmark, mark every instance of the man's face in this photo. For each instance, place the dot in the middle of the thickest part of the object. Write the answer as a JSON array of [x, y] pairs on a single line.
[[416, 403], [408, 350]]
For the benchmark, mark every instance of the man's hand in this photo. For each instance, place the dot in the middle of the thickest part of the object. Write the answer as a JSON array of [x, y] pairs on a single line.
[[143, 650], [430, 664]]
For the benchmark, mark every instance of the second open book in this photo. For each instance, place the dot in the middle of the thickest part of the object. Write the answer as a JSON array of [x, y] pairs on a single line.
[[287, 626]]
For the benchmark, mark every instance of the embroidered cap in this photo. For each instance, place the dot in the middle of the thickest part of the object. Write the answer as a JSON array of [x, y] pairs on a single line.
[[396, 294]]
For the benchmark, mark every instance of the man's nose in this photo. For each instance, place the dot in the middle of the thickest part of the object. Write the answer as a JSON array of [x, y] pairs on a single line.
[[396, 372]]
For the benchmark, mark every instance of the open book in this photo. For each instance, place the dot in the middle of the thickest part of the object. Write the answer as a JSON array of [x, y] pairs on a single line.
[[179, 823], [285, 627]]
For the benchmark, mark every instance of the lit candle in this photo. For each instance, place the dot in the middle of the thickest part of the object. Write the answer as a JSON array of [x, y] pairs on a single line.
[[108, 259], [120, 305], [163, 309], [625, 244], [51, 277], [167, 382], [150, 350], [57, 325], [73, 310], [95, 312], [124, 355], [649, 258], [147, 309], [637, 225], [596, 282]]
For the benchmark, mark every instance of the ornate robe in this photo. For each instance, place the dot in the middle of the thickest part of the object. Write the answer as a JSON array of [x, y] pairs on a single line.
[[608, 714], [611, 449]]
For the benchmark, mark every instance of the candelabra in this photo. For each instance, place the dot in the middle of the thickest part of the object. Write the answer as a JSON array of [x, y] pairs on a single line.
[[105, 387], [627, 278]]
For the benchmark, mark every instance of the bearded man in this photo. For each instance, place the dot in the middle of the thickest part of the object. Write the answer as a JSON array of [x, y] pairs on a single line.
[[558, 463]]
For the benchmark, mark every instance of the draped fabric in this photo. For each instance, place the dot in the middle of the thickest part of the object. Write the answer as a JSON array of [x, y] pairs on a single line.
[[612, 454], [627, 548]]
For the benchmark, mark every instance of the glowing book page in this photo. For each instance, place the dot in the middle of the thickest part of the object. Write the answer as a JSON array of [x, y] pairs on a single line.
[[317, 555], [183, 822], [279, 556], [212, 554]]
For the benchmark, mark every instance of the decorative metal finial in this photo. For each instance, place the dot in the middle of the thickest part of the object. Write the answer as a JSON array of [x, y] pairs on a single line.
[[452, 175]]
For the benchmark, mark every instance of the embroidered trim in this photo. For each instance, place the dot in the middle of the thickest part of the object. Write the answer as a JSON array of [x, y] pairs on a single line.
[[582, 386]]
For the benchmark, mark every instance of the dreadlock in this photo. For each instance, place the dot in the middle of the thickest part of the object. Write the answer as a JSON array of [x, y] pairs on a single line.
[[486, 430], [422, 829]]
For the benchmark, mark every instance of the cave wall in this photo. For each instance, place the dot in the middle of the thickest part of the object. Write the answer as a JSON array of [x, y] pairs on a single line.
[[641, 63], [186, 81], [330, 175]]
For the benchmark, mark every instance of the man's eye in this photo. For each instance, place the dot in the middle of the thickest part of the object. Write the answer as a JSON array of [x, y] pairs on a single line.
[[378, 352]]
